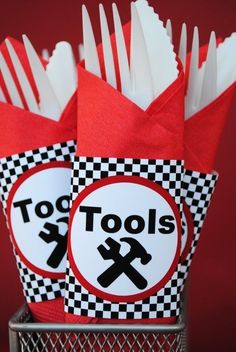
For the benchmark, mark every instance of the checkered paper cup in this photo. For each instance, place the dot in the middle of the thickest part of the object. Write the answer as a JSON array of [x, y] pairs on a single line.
[[35, 169], [123, 255], [202, 137]]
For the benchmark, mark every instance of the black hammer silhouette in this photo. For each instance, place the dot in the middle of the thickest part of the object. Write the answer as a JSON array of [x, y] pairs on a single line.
[[122, 264]]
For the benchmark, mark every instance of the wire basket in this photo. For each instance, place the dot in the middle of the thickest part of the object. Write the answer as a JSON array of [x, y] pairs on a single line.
[[34, 337]]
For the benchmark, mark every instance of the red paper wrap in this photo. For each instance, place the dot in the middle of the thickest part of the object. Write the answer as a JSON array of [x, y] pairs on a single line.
[[202, 137], [109, 125], [21, 131]]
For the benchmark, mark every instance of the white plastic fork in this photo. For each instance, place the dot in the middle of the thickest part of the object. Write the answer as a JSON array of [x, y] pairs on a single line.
[[23, 80], [10, 84], [169, 29], [123, 60], [218, 72], [145, 79], [107, 49]]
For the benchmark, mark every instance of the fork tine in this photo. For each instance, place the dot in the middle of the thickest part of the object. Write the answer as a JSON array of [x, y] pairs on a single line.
[[107, 49], [45, 54], [183, 45], [10, 84], [81, 52], [23, 80], [209, 86], [90, 50], [2, 96], [169, 29], [192, 84], [122, 54]]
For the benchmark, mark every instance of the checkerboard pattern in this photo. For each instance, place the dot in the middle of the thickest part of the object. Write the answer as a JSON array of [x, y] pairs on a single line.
[[166, 302], [198, 190], [36, 288], [166, 173]]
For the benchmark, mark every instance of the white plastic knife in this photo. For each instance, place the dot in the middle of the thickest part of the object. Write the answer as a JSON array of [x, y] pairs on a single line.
[[160, 50], [62, 74], [23, 80], [140, 68], [10, 84], [49, 105], [90, 50]]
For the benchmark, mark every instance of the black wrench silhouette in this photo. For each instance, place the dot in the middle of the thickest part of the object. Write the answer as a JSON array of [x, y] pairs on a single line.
[[122, 264], [53, 235]]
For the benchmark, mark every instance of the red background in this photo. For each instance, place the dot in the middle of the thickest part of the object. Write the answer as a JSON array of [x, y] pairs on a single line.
[[212, 289]]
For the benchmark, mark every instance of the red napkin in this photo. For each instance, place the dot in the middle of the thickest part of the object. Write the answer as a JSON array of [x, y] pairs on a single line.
[[106, 134], [109, 125], [21, 131]]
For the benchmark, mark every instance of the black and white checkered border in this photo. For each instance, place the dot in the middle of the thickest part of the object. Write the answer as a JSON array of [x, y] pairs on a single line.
[[167, 173], [36, 288], [198, 189], [165, 303], [12, 167]]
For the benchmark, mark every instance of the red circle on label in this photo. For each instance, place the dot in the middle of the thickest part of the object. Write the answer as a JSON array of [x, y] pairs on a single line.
[[154, 187], [17, 184]]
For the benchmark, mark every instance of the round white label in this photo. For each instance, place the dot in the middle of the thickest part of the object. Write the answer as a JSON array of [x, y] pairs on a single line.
[[38, 213], [124, 238]]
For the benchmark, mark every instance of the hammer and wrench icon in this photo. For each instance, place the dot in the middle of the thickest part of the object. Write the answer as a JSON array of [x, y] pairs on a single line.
[[123, 264]]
